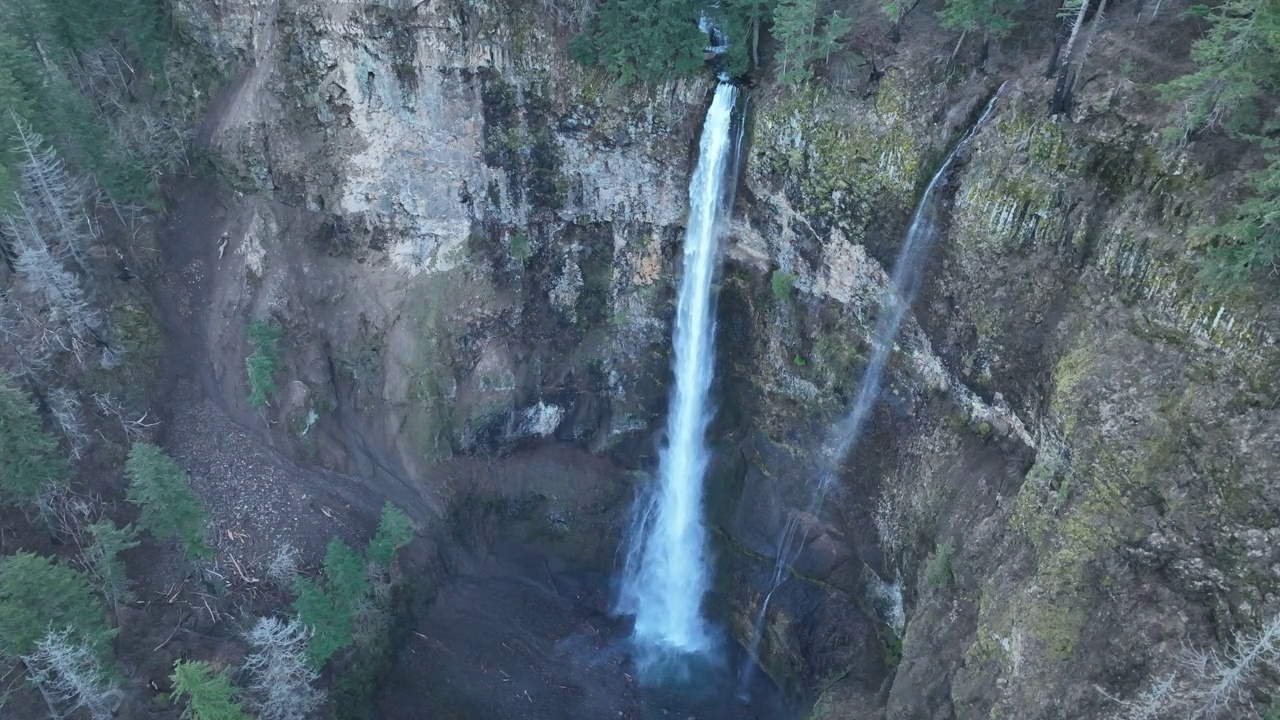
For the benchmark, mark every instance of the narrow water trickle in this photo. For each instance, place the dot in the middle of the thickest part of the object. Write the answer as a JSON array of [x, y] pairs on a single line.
[[665, 570], [903, 285]]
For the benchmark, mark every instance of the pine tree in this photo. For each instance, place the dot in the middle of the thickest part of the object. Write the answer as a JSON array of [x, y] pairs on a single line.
[[394, 532], [36, 596], [102, 559], [209, 695], [804, 36], [989, 17], [794, 24], [643, 40], [163, 491], [329, 609], [29, 457], [1237, 70]]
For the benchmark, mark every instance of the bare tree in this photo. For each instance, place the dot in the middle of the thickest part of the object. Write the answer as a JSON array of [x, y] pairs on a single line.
[[282, 682], [56, 199], [65, 408], [28, 355], [283, 566], [1060, 99], [1223, 678], [135, 428], [1208, 683], [1076, 74], [45, 277], [70, 678]]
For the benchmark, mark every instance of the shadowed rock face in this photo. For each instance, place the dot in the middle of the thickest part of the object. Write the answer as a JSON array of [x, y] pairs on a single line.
[[472, 246]]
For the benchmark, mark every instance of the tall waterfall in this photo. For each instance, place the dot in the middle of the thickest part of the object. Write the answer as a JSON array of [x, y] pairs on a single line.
[[893, 308], [665, 572]]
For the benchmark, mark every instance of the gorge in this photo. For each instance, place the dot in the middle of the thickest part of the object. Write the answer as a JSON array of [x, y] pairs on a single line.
[[901, 391]]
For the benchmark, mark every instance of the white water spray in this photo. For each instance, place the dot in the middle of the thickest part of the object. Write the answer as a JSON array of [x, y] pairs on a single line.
[[893, 308], [665, 571]]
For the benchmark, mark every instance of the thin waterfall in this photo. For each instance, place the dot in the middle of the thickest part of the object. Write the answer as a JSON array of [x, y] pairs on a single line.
[[902, 288], [665, 569]]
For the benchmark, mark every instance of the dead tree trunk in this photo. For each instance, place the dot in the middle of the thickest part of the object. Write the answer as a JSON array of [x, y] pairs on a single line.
[[1060, 92], [1098, 18]]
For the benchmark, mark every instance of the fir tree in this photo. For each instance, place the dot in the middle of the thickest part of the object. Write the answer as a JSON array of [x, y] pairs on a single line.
[[29, 457], [163, 491], [209, 695], [329, 608], [103, 559], [37, 596], [394, 532], [644, 40], [1237, 72], [804, 36]]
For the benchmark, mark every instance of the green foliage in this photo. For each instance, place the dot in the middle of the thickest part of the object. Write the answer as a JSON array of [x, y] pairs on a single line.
[[938, 573], [29, 456], [42, 42], [163, 491], [37, 595], [1236, 74], [782, 282], [1236, 67], [989, 17], [394, 532], [520, 247], [1273, 712], [803, 36], [1250, 240], [103, 559], [209, 695], [330, 608], [264, 362], [643, 40]]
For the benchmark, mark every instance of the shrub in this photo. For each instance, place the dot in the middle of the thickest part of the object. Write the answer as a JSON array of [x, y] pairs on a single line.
[[520, 247], [29, 457], [163, 491], [209, 695], [782, 282], [263, 362], [938, 573], [37, 596]]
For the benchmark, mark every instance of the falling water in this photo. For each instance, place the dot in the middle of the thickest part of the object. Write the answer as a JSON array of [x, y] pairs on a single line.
[[665, 572], [897, 300]]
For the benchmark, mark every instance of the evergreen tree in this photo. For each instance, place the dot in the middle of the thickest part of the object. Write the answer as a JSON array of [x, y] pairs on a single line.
[[163, 491], [37, 596], [394, 532], [644, 40], [209, 695], [989, 17], [29, 457], [263, 363], [103, 559], [804, 36], [1237, 71], [329, 609]]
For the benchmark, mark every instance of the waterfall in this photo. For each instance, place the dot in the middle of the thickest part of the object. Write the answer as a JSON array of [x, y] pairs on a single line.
[[902, 288], [665, 570]]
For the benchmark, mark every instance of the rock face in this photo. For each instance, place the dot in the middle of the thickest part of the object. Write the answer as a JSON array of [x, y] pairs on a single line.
[[471, 244]]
